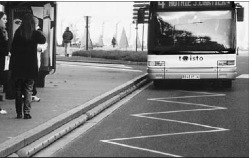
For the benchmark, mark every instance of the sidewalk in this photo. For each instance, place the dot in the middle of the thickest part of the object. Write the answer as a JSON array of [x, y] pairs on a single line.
[[62, 99]]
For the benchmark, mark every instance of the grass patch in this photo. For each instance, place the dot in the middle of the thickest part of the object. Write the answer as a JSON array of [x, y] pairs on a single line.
[[134, 56]]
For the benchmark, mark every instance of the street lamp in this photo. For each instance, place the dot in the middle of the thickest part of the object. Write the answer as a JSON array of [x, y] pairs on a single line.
[[102, 28], [116, 31], [103, 33]]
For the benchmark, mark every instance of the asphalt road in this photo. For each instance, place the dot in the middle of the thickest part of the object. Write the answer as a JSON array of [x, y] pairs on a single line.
[[189, 120]]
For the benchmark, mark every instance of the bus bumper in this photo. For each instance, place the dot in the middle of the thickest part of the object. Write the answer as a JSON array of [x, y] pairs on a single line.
[[199, 73]]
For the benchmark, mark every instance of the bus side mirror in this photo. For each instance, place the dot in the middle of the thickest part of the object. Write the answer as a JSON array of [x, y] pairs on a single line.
[[240, 14]]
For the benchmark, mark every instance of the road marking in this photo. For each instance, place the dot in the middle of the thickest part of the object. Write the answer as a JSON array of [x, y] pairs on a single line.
[[139, 148], [243, 76], [94, 64], [100, 66], [168, 100]]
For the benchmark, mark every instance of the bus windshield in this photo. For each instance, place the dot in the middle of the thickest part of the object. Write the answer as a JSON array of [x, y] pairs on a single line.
[[185, 31]]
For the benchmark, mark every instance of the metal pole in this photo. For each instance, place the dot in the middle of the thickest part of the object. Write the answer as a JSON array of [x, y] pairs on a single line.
[[142, 35], [116, 30], [102, 28], [87, 31], [136, 27], [116, 33], [102, 34]]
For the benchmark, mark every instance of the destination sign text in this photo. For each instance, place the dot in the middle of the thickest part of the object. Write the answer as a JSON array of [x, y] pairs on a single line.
[[192, 4]]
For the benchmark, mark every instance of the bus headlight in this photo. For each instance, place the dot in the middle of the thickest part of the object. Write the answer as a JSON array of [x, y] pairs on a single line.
[[226, 62], [156, 63]]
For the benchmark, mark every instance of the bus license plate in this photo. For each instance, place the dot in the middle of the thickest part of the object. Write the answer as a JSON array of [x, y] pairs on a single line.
[[191, 77]]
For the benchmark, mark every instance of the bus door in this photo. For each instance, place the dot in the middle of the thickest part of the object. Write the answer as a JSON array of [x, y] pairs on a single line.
[[46, 14]]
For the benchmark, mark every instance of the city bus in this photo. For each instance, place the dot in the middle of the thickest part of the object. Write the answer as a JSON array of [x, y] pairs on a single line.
[[45, 11], [193, 40]]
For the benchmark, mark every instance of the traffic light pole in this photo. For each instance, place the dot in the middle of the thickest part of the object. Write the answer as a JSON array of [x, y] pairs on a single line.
[[140, 13]]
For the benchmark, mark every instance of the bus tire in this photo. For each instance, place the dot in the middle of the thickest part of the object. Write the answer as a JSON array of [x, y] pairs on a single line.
[[227, 84]]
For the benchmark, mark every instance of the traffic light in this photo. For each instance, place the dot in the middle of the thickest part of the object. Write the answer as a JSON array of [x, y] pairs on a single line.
[[141, 15], [144, 13]]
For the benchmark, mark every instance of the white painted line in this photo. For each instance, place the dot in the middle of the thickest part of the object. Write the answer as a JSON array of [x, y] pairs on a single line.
[[108, 68], [111, 141], [179, 111], [192, 96], [183, 122], [163, 135], [167, 100], [94, 64], [139, 148], [243, 76]]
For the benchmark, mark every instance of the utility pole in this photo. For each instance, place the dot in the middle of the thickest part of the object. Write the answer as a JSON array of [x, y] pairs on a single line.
[[87, 31], [142, 36], [116, 33], [136, 28], [103, 28]]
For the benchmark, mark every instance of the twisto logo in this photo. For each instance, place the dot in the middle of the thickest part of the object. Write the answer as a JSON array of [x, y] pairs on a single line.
[[190, 58]]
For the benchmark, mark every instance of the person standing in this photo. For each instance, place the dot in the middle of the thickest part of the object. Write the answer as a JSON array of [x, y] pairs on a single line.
[[3, 49], [23, 63], [67, 37]]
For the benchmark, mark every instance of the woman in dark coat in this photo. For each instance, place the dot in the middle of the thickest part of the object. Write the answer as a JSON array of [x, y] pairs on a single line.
[[3, 49], [23, 63]]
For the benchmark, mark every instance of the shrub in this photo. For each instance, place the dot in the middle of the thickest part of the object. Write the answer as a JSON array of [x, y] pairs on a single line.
[[138, 56]]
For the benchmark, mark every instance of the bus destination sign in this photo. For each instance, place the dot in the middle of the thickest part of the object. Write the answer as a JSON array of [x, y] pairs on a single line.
[[193, 4]]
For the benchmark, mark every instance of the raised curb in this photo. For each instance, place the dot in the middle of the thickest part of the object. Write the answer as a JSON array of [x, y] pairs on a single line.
[[17, 143]]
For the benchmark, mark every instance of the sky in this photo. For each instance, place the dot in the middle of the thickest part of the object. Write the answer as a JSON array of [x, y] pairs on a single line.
[[107, 18]]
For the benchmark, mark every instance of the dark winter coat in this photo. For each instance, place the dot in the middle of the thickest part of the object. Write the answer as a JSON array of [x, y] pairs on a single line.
[[23, 61], [67, 36], [3, 49]]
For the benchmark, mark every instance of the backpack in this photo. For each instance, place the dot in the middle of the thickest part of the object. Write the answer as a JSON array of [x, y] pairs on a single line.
[[67, 36]]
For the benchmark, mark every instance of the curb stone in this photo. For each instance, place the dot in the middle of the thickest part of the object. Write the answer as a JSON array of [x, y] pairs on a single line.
[[20, 144]]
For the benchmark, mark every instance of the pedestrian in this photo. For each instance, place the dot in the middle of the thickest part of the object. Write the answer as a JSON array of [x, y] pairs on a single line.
[[67, 37], [23, 63], [3, 49], [40, 49], [113, 42]]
